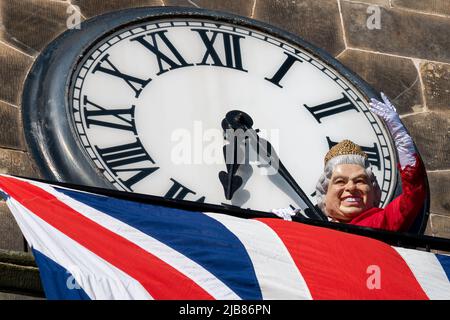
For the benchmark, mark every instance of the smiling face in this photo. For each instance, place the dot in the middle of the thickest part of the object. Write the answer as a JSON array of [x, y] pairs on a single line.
[[349, 193]]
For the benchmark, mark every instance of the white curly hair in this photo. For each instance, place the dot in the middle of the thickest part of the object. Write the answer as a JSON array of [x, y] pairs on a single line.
[[324, 180]]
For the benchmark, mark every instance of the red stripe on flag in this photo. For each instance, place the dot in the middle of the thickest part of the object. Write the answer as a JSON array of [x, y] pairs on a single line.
[[161, 280], [337, 265]]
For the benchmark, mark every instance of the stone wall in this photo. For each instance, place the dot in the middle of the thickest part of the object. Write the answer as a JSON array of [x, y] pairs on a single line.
[[407, 57]]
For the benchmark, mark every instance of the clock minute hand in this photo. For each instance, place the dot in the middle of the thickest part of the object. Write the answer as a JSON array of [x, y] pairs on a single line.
[[274, 159], [243, 121]]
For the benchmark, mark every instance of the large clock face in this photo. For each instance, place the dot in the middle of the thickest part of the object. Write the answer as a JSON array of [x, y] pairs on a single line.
[[147, 104], [144, 104]]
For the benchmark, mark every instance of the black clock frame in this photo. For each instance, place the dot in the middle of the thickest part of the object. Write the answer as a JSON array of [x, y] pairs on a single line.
[[50, 136]]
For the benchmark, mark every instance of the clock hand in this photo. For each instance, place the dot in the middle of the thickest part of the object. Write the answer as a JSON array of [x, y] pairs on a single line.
[[230, 181], [240, 120], [284, 173]]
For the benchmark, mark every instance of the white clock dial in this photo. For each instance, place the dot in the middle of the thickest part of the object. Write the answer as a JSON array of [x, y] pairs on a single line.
[[147, 104]]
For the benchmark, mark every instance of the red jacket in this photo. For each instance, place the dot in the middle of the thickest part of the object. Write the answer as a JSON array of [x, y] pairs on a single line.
[[401, 212]]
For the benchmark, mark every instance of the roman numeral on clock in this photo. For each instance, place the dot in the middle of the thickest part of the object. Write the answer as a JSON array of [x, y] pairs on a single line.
[[105, 65], [128, 158], [373, 154], [284, 68], [179, 192], [122, 119], [230, 45], [152, 45], [332, 107]]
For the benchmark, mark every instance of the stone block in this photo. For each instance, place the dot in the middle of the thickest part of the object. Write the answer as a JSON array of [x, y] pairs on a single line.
[[18, 258], [436, 82], [20, 279], [242, 7], [317, 22], [375, 2], [396, 77], [11, 135], [14, 68], [431, 133], [402, 32], [91, 8], [31, 24], [440, 190], [440, 225], [429, 6], [11, 237], [12, 296], [17, 163], [428, 229]]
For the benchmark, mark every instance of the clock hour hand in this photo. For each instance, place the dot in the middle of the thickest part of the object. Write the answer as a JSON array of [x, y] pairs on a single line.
[[240, 120], [230, 181], [231, 151]]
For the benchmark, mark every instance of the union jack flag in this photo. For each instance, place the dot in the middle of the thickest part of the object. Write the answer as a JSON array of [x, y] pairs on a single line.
[[90, 246]]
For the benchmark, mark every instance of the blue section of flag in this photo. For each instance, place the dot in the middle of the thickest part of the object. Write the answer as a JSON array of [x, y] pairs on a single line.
[[4, 195], [193, 234], [58, 283], [445, 263]]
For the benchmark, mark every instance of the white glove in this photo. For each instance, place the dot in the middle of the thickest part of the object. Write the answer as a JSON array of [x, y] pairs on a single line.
[[285, 213], [403, 142]]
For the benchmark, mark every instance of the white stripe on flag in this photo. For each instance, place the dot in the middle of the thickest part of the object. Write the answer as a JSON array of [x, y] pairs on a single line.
[[428, 272], [206, 280], [98, 278], [278, 276]]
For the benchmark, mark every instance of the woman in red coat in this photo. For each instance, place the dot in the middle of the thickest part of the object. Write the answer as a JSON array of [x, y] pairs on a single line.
[[348, 191]]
